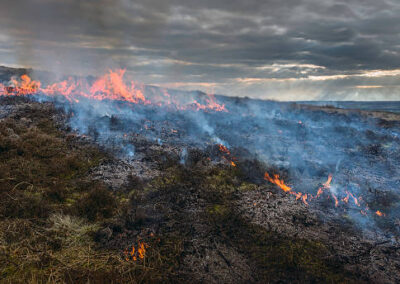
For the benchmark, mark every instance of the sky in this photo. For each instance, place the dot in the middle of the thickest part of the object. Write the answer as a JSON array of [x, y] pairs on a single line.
[[270, 49]]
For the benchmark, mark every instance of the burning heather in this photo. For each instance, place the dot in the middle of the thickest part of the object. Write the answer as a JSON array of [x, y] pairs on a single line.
[[110, 87], [199, 141], [175, 169], [308, 144], [278, 182], [136, 254]]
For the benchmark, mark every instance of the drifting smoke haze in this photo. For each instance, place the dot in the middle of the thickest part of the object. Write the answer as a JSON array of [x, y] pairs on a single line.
[[190, 142], [267, 51], [285, 50], [347, 160]]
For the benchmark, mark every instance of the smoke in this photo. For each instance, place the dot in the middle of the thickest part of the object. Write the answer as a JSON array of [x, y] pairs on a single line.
[[307, 144], [183, 156], [82, 37]]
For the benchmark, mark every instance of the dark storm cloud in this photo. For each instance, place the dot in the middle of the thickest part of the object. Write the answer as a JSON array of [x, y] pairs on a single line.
[[253, 48]]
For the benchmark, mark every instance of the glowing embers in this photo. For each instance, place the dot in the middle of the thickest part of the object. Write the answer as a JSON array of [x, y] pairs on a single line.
[[347, 198], [110, 86], [136, 252]]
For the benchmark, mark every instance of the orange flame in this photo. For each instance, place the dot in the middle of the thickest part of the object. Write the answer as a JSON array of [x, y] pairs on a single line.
[[277, 181], [305, 198], [355, 199], [141, 250], [336, 200], [223, 149], [134, 254], [110, 86], [346, 199], [297, 194], [325, 185]]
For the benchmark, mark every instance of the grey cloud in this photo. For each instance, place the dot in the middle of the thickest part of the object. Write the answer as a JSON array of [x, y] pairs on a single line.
[[206, 41]]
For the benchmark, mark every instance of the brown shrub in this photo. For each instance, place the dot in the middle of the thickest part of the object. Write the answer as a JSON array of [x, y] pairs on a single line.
[[97, 204]]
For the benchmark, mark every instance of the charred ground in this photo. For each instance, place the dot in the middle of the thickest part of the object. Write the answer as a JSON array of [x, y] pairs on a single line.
[[73, 206], [60, 225]]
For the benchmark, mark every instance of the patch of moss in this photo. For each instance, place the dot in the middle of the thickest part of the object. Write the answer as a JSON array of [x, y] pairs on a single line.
[[218, 210], [246, 186], [222, 181], [171, 177]]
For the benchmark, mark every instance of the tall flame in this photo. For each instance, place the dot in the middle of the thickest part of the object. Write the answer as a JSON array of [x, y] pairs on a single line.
[[279, 182]]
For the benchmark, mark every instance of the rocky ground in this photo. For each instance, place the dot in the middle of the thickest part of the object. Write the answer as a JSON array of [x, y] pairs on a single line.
[[70, 209]]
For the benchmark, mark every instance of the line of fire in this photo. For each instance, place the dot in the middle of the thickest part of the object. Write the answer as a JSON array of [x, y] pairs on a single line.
[[171, 141]]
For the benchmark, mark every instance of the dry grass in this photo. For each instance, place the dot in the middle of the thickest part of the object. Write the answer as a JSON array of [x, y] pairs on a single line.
[[62, 252]]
